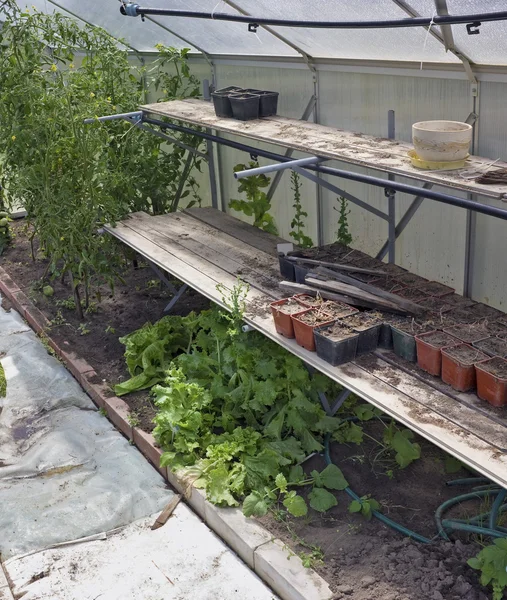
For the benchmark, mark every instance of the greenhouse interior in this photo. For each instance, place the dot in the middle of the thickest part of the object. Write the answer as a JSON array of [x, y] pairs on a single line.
[[253, 319]]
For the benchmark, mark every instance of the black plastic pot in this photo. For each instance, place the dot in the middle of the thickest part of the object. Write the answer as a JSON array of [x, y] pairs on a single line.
[[333, 352], [368, 339], [404, 344], [245, 107], [268, 102], [385, 339], [286, 268], [300, 273], [222, 102]]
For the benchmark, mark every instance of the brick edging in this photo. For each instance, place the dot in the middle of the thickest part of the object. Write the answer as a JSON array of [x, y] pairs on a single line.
[[268, 557]]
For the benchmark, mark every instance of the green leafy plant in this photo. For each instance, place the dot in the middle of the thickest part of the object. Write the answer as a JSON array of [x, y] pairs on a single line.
[[298, 222], [235, 301], [5, 232], [400, 442], [492, 562], [3, 382], [83, 329], [343, 235], [365, 505], [133, 419], [71, 177], [257, 203]]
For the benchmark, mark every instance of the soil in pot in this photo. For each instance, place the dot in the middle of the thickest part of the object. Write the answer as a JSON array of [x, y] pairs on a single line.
[[411, 280], [412, 294], [367, 325], [458, 301], [493, 346], [434, 288], [429, 350], [337, 310], [245, 107], [305, 323], [336, 343], [404, 330], [468, 333], [329, 253], [435, 305], [392, 269], [309, 301], [492, 381], [483, 311], [388, 284], [282, 311], [458, 368], [461, 315], [365, 277]]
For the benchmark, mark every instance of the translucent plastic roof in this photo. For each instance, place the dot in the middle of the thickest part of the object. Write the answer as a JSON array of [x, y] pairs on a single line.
[[223, 37]]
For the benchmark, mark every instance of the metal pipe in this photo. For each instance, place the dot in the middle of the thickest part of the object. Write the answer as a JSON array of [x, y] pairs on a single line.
[[135, 10], [492, 211], [300, 162], [131, 115], [391, 197], [171, 140]]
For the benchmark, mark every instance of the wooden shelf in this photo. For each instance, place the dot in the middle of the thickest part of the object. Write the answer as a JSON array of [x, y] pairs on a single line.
[[390, 156], [204, 247]]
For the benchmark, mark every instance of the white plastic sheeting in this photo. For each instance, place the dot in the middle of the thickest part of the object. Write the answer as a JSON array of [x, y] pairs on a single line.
[[65, 472], [183, 559], [220, 37]]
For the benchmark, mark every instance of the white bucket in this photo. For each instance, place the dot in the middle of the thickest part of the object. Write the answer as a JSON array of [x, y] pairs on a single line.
[[441, 140]]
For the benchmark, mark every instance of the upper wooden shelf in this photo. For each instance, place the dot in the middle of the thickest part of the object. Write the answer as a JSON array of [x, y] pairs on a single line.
[[382, 154]]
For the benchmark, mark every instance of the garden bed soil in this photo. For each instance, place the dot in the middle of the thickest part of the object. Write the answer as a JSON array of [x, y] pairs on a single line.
[[366, 559], [493, 346], [141, 298]]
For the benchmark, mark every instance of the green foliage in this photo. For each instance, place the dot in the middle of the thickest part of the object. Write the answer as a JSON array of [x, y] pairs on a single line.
[[71, 177], [298, 222], [3, 382], [5, 232], [235, 301], [399, 441], [343, 235], [492, 562], [257, 204], [365, 505]]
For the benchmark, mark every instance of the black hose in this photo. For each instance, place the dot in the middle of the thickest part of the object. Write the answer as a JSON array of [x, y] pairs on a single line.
[[492, 211], [132, 9]]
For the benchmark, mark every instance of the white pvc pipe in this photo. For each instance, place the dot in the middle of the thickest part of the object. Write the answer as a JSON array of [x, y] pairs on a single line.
[[301, 162]]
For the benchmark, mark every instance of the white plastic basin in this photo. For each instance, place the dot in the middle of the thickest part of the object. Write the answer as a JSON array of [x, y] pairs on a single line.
[[441, 140]]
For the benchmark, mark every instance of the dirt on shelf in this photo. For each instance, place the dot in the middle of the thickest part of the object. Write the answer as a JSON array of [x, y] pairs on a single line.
[[140, 299]]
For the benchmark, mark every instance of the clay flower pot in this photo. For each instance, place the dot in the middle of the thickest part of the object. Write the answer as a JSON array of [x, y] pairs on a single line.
[[305, 323], [282, 311], [458, 366], [492, 381], [336, 343], [429, 350]]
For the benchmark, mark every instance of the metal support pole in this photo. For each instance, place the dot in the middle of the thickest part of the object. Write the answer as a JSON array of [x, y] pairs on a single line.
[[333, 188], [319, 182], [289, 152], [172, 140], [301, 162], [136, 116], [391, 196], [212, 174], [177, 296], [161, 275], [405, 219]]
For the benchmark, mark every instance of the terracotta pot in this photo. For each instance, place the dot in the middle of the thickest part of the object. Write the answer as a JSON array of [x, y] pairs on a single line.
[[304, 332], [429, 350], [283, 321], [458, 372], [491, 387]]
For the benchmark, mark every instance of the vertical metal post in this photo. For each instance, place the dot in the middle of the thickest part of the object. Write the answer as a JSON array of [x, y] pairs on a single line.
[[210, 152], [316, 119], [391, 195]]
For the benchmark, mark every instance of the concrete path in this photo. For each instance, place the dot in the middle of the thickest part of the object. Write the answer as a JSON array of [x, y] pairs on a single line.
[[66, 474]]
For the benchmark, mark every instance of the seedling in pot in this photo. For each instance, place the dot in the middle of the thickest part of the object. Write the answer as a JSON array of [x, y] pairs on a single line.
[[368, 326], [337, 310], [282, 311], [305, 323]]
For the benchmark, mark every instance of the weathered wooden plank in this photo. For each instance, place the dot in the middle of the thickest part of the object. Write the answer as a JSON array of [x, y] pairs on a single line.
[[253, 236], [170, 234], [400, 397], [323, 263], [390, 156]]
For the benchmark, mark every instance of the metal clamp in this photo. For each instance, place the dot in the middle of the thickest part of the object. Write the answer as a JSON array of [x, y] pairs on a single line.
[[252, 27], [473, 28], [130, 9]]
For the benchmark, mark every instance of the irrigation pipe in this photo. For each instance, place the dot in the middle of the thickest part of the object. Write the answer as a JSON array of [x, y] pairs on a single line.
[[131, 9]]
